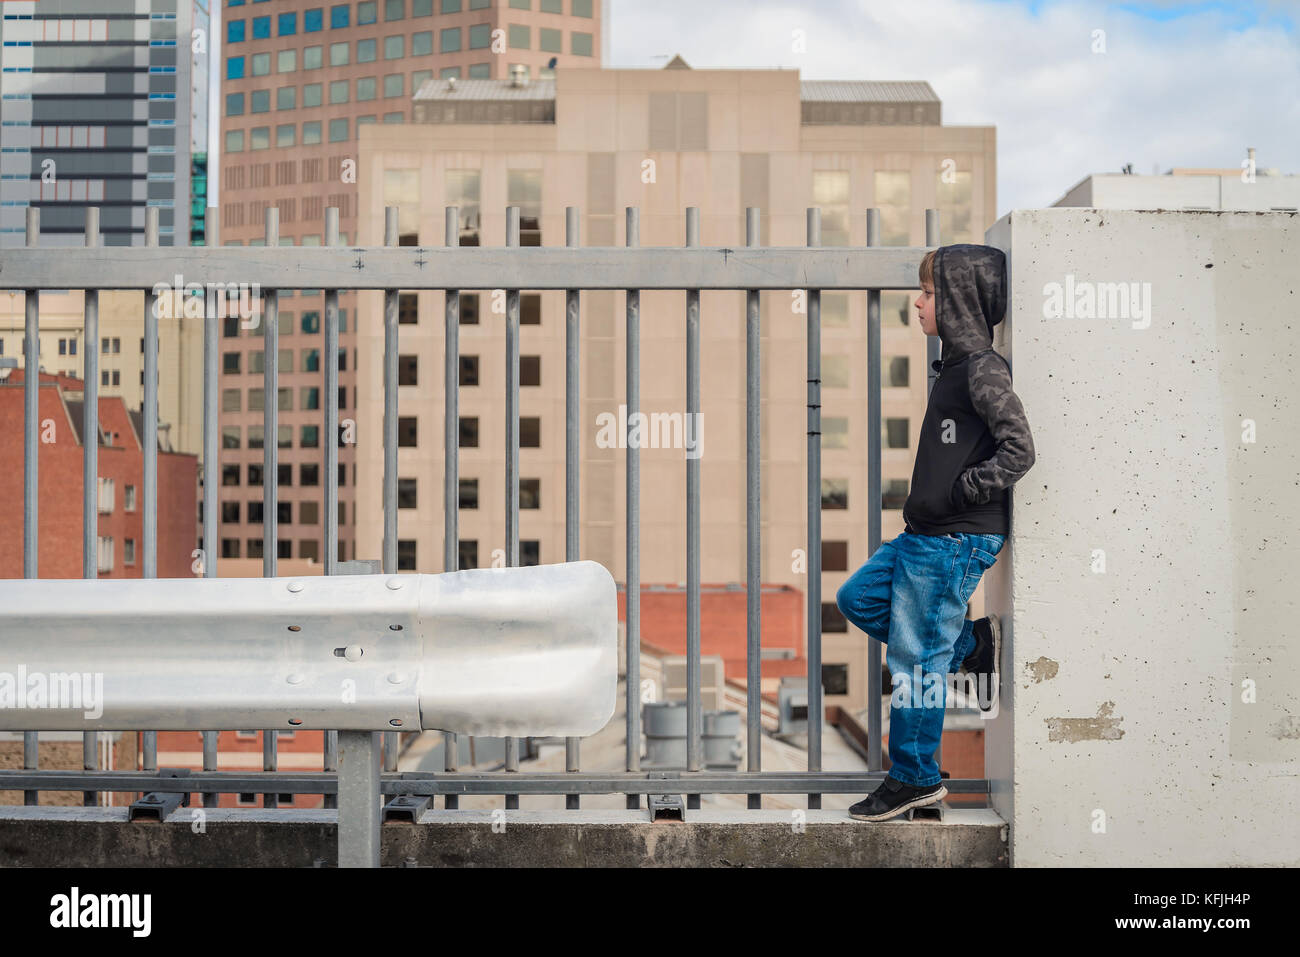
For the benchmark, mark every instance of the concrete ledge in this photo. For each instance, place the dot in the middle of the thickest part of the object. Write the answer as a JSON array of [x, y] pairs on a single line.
[[297, 837]]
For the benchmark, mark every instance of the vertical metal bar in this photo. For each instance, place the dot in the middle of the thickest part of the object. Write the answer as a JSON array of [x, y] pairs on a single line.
[[210, 798], [694, 705], [31, 410], [211, 239], [211, 478], [451, 452], [331, 407], [31, 461], [90, 464], [572, 346], [271, 411], [31, 762], [390, 407], [874, 501], [150, 437], [330, 758], [934, 347], [753, 521], [270, 457], [633, 517], [814, 515], [512, 450], [392, 739], [358, 799]]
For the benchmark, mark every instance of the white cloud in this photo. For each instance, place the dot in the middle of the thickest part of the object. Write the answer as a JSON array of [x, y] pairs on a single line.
[[1194, 90]]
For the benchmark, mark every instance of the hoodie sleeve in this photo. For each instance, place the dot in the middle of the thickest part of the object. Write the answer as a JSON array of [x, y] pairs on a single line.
[[1000, 408]]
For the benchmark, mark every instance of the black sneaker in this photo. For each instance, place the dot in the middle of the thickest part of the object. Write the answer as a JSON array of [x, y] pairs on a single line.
[[984, 663], [893, 798]]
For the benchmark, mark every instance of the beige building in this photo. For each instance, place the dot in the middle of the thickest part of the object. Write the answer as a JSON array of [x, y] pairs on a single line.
[[660, 140], [62, 336], [300, 80]]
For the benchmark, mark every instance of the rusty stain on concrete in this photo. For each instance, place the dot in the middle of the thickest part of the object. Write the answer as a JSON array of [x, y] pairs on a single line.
[[1101, 728], [1044, 669]]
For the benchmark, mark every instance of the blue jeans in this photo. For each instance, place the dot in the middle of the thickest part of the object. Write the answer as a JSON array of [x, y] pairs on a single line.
[[912, 595]]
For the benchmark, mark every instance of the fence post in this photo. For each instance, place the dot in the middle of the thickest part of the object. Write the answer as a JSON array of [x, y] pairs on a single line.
[[359, 798]]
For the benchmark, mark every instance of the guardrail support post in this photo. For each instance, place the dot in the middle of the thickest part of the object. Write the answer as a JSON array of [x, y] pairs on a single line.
[[359, 798]]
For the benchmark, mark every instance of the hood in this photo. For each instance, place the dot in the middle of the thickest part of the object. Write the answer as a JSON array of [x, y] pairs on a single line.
[[970, 286]]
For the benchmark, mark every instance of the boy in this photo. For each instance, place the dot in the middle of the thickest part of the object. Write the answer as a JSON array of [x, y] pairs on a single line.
[[912, 595]]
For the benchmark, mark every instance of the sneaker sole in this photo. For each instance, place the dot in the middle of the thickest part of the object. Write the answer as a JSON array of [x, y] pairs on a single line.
[[921, 801], [995, 627]]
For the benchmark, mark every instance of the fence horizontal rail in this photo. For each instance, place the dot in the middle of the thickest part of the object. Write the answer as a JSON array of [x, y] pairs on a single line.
[[502, 782], [467, 267]]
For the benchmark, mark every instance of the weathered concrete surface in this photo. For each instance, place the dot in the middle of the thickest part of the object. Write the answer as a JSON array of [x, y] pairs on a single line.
[[288, 837]]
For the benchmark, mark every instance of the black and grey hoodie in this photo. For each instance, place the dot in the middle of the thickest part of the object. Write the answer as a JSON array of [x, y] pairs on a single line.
[[974, 442]]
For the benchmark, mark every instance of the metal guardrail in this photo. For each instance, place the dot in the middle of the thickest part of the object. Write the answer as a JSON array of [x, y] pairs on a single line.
[[332, 268]]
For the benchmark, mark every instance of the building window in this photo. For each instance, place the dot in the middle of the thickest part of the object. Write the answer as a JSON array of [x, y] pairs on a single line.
[[519, 37], [467, 553], [894, 494], [230, 363], [480, 36], [261, 28], [339, 54], [339, 16], [287, 24], [835, 556], [835, 678], [480, 71], [407, 431], [896, 375], [394, 117], [580, 44], [835, 493], [128, 498], [235, 31], [230, 475], [896, 433], [338, 130], [367, 12], [833, 620], [408, 312], [394, 9], [469, 493], [406, 493], [286, 61], [234, 68], [312, 58], [285, 134], [550, 41], [530, 551], [469, 370], [524, 189], [408, 370], [530, 432], [893, 196], [310, 437], [365, 88], [468, 432], [261, 64], [581, 8], [830, 191], [530, 370], [311, 94], [234, 104], [394, 47], [230, 438], [469, 308], [394, 85], [260, 138], [230, 400], [422, 43], [309, 474], [835, 432], [530, 493], [367, 50], [449, 40], [261, 101], [313, 20], [311, 132], [406, 555]]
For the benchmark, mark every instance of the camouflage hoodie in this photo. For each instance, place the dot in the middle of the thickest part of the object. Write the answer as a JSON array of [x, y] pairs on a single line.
[[975, 441]]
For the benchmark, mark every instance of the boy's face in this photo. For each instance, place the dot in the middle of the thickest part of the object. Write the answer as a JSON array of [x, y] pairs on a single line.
[[925, 309]]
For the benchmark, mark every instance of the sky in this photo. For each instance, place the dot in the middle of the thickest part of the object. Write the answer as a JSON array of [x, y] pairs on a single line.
[[1164, 84]]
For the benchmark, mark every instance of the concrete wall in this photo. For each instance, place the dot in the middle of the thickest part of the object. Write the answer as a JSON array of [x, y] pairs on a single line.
[[1153, 545]]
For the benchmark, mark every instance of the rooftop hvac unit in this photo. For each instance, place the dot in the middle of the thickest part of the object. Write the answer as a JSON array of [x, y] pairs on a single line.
[[792, 700], [712, 680]]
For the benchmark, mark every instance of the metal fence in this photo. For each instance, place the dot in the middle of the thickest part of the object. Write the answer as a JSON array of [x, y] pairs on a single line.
[[331, 268]]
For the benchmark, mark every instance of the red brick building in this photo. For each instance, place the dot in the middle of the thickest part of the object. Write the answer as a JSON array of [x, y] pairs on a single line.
[[121, 487]]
